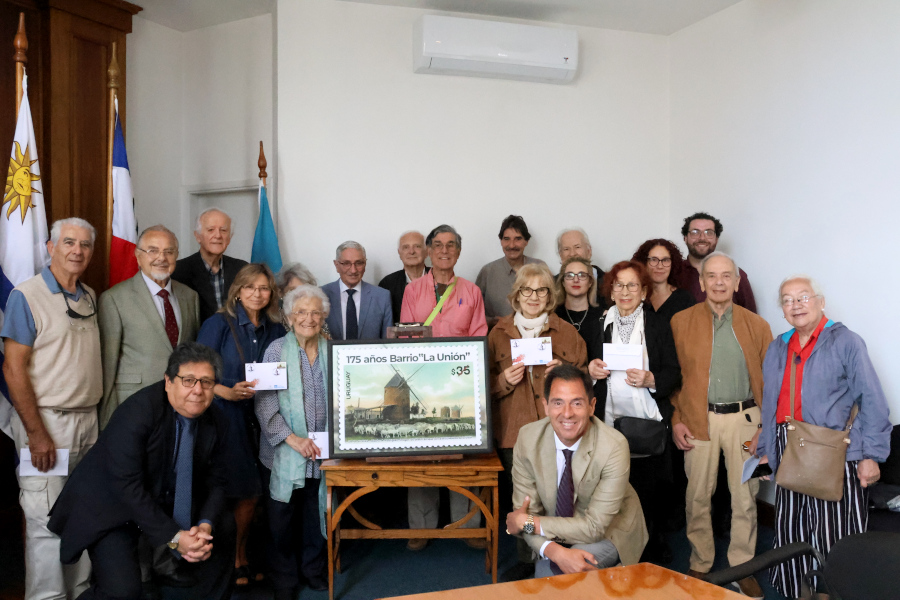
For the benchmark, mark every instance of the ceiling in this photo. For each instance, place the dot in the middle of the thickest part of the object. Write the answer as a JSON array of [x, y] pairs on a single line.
[[188, 15], [647, 16]]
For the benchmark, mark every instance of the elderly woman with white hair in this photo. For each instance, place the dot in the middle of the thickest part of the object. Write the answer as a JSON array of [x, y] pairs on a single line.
[[290, 276], [296, 498], [816, 373]]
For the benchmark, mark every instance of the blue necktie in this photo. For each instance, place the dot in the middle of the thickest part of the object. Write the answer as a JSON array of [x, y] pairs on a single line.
[[352, 326], [184, 472], [565, 495]]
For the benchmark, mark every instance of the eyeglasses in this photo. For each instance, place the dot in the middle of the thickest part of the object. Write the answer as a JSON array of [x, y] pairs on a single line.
[[155, 252], [710, 233], [653, 261], [788, 302], [190, 382], [77, 315], [315, 314], [632, 286], [570, 276], [263, 289], [541, 292], [346, 264], [438, 246]]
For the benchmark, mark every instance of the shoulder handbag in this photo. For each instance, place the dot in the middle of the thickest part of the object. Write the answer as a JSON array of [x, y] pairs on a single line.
[[645, 436], [814, 457]]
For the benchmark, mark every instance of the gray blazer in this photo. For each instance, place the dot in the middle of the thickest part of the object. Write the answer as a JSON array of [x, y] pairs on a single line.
[[133, 340], [375, 313]]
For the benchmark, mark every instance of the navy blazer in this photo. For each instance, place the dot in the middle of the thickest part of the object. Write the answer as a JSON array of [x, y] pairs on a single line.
[[375, 314], [129, 476], [191, 271]]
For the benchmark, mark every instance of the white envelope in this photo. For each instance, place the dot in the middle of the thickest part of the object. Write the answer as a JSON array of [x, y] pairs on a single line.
[[271, 376], [27, 469], [531, 351], [620, 357], [749, 466], [320, 439]]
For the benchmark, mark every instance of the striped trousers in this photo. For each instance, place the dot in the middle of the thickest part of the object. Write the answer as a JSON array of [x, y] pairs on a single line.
[[802, 518]]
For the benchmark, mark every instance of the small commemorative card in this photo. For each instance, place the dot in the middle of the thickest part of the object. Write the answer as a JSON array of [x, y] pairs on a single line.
[[531, 351], [621, 357], [320, 439], [269, 376]]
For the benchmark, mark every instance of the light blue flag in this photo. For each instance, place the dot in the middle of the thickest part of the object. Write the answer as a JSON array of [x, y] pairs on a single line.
[[265, 240]]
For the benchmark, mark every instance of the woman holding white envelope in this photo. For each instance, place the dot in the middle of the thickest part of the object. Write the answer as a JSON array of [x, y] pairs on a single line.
[[517, 382], [240, 333], [637, 371]]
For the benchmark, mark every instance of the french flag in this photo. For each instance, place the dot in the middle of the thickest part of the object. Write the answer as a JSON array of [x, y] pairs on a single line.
[[122, 262]]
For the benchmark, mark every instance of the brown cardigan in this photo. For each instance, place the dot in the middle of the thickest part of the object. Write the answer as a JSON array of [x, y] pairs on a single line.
[[693, 332], [514, 406]]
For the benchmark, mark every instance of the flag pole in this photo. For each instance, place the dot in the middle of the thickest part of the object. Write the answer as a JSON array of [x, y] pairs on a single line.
[[262, 164], [113, 75], [20, 43]]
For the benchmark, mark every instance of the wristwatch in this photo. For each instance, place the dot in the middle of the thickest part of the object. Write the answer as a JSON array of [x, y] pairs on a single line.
[[529, 525], [173, 543]]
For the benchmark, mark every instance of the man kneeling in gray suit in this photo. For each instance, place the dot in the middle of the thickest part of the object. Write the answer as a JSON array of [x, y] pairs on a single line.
[[573, 503]]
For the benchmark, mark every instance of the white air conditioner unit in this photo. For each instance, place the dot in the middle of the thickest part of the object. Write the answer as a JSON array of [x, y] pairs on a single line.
[[454, 46]]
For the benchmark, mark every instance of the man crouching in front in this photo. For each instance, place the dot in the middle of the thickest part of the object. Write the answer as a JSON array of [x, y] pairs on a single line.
[[156, 472], [574, 505]]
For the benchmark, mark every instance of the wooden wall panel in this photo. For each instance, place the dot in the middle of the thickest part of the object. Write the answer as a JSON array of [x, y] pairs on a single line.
[[70, 44]]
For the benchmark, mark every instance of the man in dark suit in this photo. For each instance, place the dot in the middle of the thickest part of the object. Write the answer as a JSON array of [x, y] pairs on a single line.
[[411, 249], [155, 471], [209, 272], [359, 310]]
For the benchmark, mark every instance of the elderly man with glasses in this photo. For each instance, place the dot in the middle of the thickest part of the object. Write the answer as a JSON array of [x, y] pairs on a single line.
[[50, 336], [157, 474], [701, 233], [142, 319], [453, 307], [362, 311], [721, 347]]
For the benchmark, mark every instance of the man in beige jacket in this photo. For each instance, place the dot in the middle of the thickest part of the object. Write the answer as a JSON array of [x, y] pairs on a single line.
[[574, 505], [720, 347]]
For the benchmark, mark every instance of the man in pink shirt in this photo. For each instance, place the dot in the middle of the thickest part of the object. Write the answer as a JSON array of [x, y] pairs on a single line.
[[454, 308], [462, 311]]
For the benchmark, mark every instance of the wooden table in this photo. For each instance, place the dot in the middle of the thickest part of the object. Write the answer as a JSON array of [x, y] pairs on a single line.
[[457, 475], [644, 581]]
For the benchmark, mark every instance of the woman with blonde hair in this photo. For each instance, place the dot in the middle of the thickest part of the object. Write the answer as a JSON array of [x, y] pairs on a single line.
[[240, 332]]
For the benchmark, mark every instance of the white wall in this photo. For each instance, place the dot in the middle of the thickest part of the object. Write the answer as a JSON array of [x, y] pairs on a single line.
[[153, 136], [368, 149], [785, 125], [199, 104]]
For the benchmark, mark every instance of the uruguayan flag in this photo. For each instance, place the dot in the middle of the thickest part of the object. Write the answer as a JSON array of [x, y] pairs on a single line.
[[23, 224]]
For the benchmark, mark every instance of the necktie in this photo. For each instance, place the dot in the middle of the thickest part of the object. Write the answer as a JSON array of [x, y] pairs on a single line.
[[184, 473], [352, 332], [565, 495], [171, 323]]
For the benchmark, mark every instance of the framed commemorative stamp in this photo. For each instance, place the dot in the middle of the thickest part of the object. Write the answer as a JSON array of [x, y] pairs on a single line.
[[408, 397]]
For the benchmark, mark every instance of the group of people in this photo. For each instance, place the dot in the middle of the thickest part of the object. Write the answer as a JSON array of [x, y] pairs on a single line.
[[168, 493]]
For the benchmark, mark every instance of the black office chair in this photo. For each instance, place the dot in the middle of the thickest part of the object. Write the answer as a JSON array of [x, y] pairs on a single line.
[[865, 566]]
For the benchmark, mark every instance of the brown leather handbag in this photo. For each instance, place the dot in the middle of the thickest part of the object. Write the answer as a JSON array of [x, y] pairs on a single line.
[[814, 457]]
